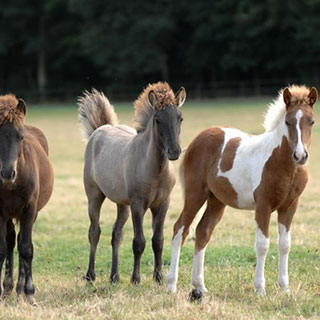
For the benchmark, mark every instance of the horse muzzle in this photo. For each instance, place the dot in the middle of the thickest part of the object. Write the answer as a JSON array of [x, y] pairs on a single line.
[[173, 154], [300, 158], [8, 176]]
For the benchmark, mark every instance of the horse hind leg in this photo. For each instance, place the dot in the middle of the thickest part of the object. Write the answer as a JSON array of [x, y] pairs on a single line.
[[209, 220], [11, 240], [95, 200], [117, 233], [194, 199]]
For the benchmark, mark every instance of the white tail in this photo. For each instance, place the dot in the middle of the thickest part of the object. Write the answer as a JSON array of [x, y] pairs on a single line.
[[95, 111]]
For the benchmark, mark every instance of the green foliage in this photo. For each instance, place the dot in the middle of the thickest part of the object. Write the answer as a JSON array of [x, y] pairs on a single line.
[[123, 45]]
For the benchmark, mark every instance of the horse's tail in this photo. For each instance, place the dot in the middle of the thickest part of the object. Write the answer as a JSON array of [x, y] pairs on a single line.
[[95, 110]]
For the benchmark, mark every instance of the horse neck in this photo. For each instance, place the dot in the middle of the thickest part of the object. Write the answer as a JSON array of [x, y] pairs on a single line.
[[154, 154], [279, 138]]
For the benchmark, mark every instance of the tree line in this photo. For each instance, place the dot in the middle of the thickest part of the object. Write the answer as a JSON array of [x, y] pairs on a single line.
[[54, 49]]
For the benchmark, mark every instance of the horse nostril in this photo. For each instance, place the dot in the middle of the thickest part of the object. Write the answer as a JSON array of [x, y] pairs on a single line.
[[3, 174], [295, 156], [306, 156], [13, 174]]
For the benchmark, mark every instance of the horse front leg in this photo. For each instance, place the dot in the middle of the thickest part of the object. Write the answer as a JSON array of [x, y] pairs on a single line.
[[11, 241], [262, 217], [25, 248], [158, 217], [3, 245], [139, 242], [285, 216], [117, 232]]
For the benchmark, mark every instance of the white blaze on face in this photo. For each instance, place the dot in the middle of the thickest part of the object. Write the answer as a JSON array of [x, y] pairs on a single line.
[[299, 150]]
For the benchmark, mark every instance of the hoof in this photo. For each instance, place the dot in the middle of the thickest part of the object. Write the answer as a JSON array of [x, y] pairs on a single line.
[[195, 295], [90, 277], [158, 278], [135, 280], [115, 278], [285, 290], [261, 292], [31, 300]]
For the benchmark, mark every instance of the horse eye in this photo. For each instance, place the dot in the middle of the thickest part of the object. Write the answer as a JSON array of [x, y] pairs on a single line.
[[287, 123], [311, 122], [20, 137], [180, 119], [156, 120]]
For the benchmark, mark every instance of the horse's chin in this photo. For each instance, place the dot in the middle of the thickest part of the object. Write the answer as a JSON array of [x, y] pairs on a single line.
[[8, 184]]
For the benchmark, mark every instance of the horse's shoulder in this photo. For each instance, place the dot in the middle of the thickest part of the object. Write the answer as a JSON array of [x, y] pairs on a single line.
[[34, 134]]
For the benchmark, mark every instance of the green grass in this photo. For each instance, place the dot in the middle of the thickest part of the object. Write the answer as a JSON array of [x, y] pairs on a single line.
[[62, 248]]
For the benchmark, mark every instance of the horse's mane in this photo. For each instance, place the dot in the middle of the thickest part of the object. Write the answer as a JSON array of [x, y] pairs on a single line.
[[143, 110], [9, 111], [277, 108]]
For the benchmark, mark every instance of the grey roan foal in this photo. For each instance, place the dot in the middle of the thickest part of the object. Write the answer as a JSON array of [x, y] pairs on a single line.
[[131, 167]]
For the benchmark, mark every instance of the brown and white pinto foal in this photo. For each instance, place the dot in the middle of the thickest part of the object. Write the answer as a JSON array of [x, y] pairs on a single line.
[[266, 172]]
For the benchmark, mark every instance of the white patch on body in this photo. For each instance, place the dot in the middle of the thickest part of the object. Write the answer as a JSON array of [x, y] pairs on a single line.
[[174, 266], [262, 247], [284, 243], [197, 270], [299, 147], [250, 158]]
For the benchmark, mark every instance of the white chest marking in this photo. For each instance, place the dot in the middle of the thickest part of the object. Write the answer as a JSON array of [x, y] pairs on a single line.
[[250, 158]]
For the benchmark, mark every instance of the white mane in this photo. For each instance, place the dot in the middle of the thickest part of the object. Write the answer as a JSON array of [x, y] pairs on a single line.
[[275, 114]]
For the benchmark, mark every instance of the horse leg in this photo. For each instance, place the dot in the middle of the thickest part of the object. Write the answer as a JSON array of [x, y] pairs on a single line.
[[3, 244], [194, 199], [25, 248], [117, 233], [11, 241], [94, 206], [139, 241], [262, 216], [209, 220], [285, 216], [158, 217]]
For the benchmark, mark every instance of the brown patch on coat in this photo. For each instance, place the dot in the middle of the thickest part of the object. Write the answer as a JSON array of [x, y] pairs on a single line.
[[229, 154], [143, 110], [282, 182], [200, 175], [9, 111]]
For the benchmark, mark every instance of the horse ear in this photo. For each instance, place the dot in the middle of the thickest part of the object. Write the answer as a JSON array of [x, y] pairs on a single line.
[[153, 99], [180, 96], [313, 96], [286, 96], [22, 106]]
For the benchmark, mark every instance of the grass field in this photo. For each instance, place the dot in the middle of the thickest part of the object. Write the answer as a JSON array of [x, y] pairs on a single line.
[[62, 248]]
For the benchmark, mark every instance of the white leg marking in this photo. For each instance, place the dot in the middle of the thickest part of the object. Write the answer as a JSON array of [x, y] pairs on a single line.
[[174, 266], [284, 242], [197, 270], [300, 152], [262, 247]]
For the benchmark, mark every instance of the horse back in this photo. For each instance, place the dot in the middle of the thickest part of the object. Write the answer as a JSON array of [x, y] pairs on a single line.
[[35, 133]]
